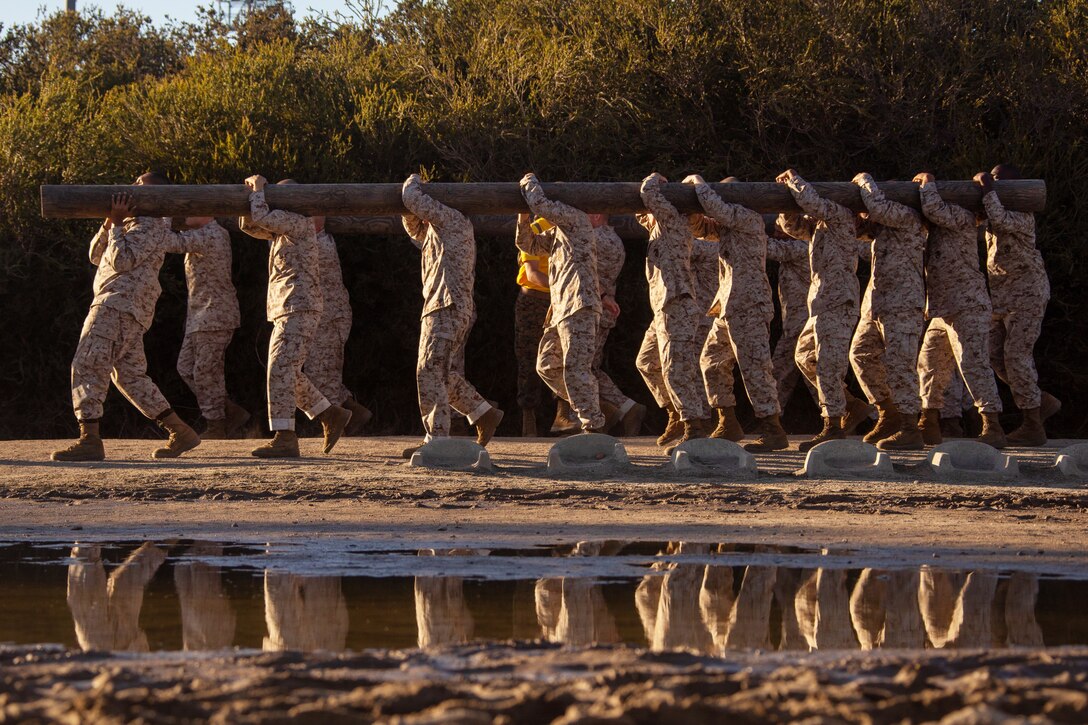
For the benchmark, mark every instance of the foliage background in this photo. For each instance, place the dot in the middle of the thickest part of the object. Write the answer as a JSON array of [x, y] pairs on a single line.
[[484, 90]]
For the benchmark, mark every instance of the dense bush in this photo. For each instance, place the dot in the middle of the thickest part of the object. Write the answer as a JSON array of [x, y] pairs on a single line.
[[483, 90]]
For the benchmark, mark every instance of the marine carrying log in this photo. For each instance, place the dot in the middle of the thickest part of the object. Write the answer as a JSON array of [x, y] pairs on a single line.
[[606, 197]]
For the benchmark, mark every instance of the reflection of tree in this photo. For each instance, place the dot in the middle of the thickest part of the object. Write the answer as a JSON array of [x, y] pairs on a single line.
[[106, 610], [823, 611], [442, 616], [884, 609], [207, 619], [304, 613]]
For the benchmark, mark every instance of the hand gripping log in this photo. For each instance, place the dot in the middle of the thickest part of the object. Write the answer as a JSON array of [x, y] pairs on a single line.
[[88, 202]]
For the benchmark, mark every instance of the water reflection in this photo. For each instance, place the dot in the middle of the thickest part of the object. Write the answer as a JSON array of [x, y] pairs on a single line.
[[199, 602]]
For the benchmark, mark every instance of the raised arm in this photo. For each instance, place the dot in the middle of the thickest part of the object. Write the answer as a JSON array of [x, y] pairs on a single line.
[[798, 226], [806, 197], [427, 208], [277, 221], [731, 216], [1002, 220], [665, 214], [881, 209], [98, 244], [251, 228], [199, 240], [529, 241], [937, 210], [560, 214], [785, 251], [416, 228]]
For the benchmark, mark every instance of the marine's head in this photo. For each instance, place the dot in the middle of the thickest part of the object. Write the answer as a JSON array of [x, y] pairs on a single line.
[[1005, 172], [151, 178]]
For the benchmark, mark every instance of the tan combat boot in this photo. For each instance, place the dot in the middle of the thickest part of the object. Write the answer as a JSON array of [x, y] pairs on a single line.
[[528, 423], [1048, 406], [832, 432], [857, 410], [360, 416], [611, 416], [182, 438], [728, 425], [334, 420], [565, 421], [690, 430], [888, 422], [216, 430], [237, 417], [952, 427], [486, 425], [992, 434], [772, 436], [284, 444], [907, 438], [929, 422], [673, 429], [632, 420], [1031, 432], [88, 448]]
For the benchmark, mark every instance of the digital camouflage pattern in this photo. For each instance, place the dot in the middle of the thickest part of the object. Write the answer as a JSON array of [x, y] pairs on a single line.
[[884, 355], [962, 341], [668, 254], [202, 365], [440, 371], [611, 255], [741, 339], [794, 277], [669, 360], [565, 364], [324, 364], [448, 245], [294, 274], [822, 355], [289, 387], [213, 301], [954, 282]]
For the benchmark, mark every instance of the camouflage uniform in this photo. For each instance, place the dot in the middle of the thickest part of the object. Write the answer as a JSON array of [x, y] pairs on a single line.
[[448, 267], [1019, 289], [567, 348], [325, 357], [610, 257], [126, 288], [742, 309], [293, 306], [823, 347], [794, 276], [669, 356], [884, 352], [211, 320], [704, 272], [957, 305]]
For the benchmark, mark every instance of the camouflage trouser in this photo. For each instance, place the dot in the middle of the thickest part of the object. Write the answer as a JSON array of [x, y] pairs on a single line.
[[202, 365], [610, 392], [529, 314], [1012, 353], [440, 371], [669, 360], [325, 359], [111, 347], [565, 364], [955, 398], [288, 386], [884, 355], [743, 340], [823, 355], [961, 340], [786, 372]]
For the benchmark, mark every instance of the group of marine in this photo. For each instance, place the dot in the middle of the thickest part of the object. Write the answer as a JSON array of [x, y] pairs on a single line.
[[927, 320]]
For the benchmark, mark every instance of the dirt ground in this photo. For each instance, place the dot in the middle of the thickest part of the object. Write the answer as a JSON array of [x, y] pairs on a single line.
[[365, 492]]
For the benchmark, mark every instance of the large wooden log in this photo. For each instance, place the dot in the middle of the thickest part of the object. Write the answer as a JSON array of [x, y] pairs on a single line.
[[487, 226], [86, 202]]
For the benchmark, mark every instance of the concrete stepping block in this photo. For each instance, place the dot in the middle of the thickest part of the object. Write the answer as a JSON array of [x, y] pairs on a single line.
[[713, 455], [452, 454], [846, 458], [587, 454], [967, 460], [1073, 460]]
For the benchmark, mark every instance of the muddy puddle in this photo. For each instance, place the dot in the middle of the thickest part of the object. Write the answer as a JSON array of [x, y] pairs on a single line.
[[709, 597]]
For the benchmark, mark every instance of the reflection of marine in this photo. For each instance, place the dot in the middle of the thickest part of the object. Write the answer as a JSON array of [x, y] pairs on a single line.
[[884, 609], [823, 613], [975, 610], [786, 584], [304, 613], [207, 620], [573, 610], [442, 616], [669, 605], [742, 622], [106, 611]]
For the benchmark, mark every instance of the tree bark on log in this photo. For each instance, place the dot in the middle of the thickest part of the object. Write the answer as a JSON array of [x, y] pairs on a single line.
[[88, 202]]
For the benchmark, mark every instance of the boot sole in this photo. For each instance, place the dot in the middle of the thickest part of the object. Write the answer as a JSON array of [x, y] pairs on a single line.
[[161, 453], [275, 454], [336, 430]]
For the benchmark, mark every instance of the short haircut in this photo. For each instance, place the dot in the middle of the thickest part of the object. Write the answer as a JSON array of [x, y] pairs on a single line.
[[285, 182], [1009, 171], [155, 177], [730, 180]]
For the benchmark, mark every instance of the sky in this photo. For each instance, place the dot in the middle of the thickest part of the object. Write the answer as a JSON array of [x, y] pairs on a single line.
[[23, 11]]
